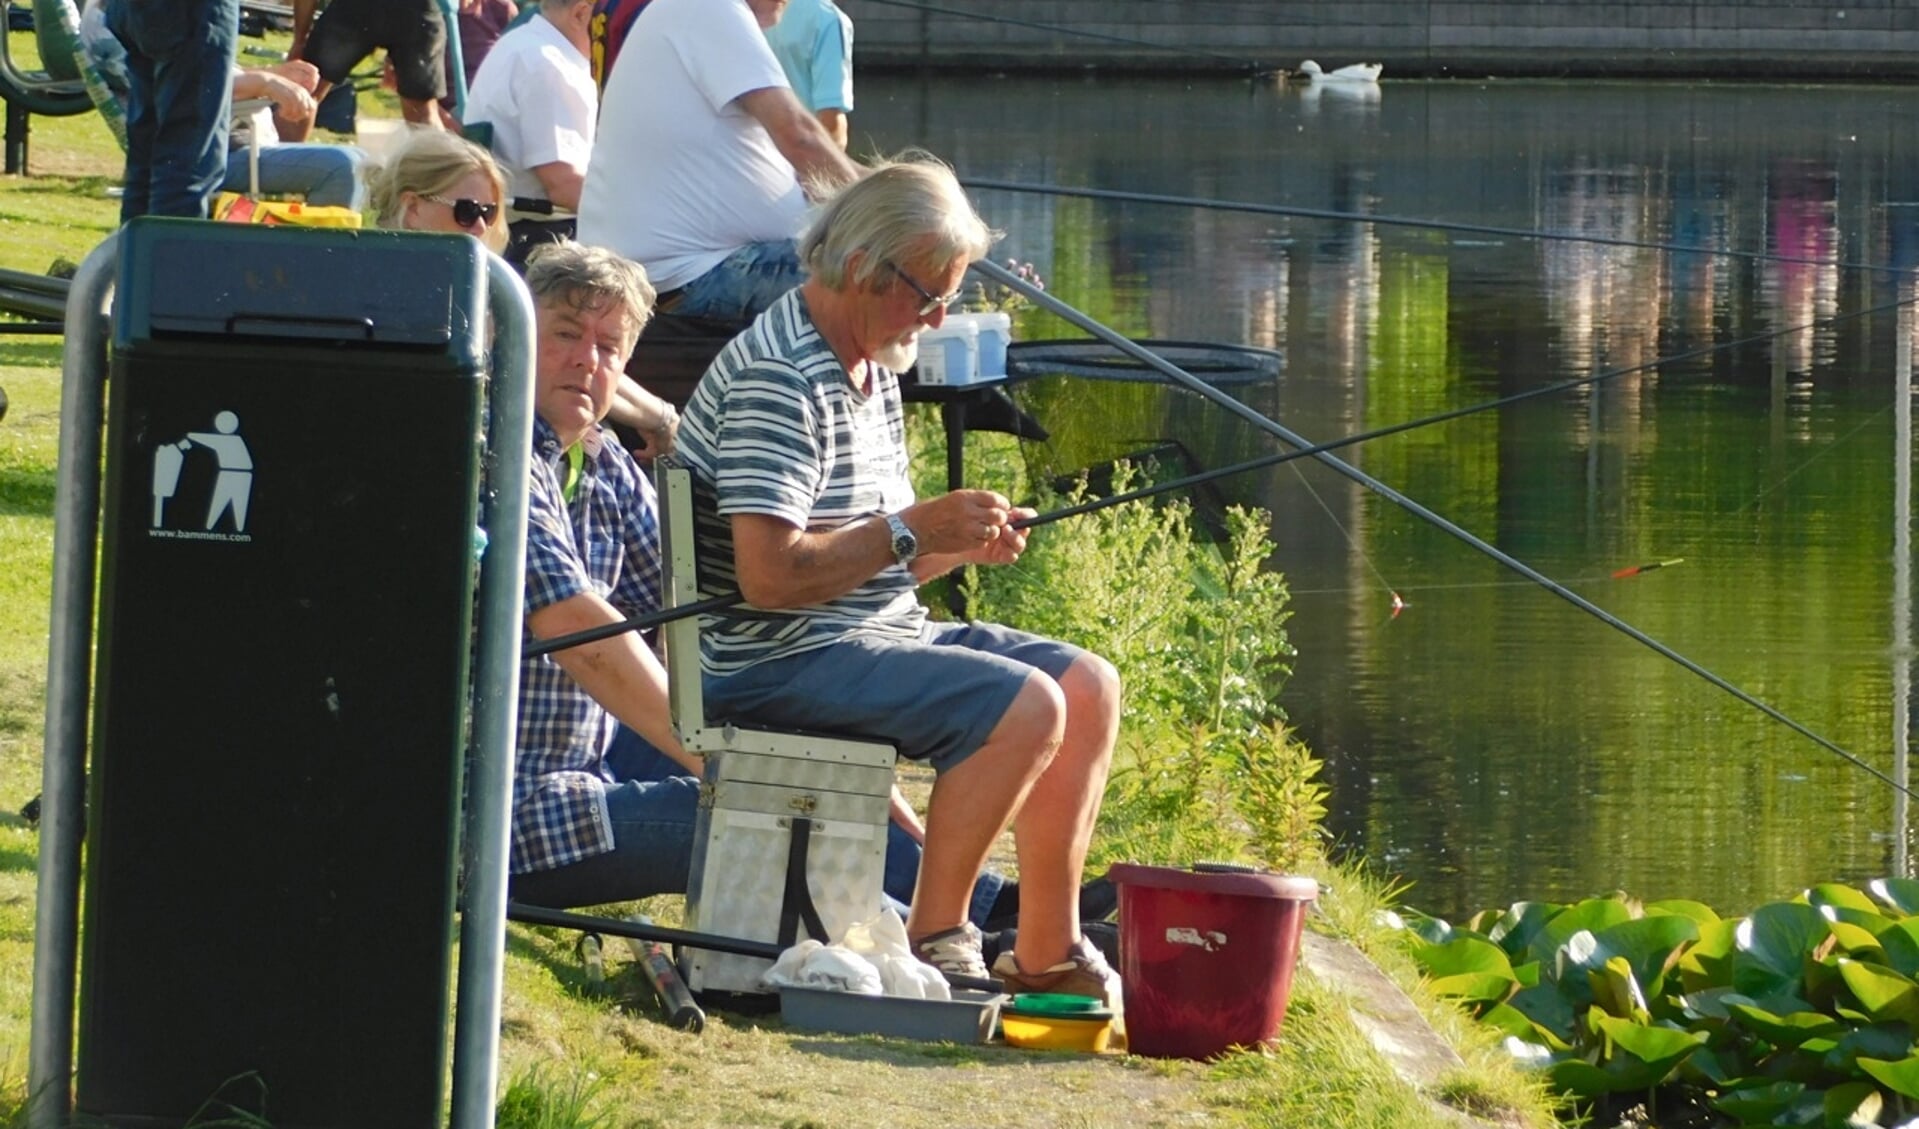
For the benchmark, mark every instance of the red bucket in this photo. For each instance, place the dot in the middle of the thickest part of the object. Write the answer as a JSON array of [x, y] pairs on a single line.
[[1206, 958]]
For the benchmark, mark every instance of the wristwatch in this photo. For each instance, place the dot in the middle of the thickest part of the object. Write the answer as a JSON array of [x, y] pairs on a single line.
[[905, 545]]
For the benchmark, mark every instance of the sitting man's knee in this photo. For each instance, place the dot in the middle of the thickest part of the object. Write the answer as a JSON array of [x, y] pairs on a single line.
[[1092, 683], [1037, 716]]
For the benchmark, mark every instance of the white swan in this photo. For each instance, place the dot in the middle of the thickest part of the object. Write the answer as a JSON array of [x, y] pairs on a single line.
[[1357, 72]]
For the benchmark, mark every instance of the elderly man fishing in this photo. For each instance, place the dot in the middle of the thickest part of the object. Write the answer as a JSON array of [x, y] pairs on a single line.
[[795, 439], [587, 827]]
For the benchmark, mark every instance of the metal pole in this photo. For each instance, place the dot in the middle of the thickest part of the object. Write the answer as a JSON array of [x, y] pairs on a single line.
[[496, 672], [1902, 578], [455, 58], [76, 518]]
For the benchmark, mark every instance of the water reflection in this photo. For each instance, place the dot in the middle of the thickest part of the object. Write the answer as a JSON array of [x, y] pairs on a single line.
[[1492, 743]]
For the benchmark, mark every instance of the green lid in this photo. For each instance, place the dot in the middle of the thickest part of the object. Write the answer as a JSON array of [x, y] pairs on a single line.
[[1058, 1005]]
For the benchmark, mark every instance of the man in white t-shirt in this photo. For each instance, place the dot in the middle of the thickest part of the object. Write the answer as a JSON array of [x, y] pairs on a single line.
[[704, 159], [536, 91]]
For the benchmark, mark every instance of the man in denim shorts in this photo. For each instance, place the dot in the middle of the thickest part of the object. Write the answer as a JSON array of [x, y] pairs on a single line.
[[803, 504], [703, 159]]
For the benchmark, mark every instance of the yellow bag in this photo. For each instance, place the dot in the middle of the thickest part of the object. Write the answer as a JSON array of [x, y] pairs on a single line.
[[232, 207]]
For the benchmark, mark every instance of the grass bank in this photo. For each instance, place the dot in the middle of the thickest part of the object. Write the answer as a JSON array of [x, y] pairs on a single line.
[[576, 1054]]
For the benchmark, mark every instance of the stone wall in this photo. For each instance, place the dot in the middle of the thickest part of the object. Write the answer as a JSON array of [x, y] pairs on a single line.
[[1846, 39]]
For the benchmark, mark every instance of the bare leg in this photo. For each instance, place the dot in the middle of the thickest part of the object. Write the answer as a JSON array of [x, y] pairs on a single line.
[[425, 114], [974, 801], [1055, 824], [296, 132]]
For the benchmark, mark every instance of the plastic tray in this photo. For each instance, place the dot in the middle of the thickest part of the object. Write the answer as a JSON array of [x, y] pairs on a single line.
[[968, 1018]]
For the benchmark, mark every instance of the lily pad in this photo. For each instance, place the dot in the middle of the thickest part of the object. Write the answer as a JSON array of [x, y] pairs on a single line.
[[1901, 894], [1840, 896], [1647, 944], [1759, 1105], [1884, 993], [1707, 962], [1901, 1077], [1522, 921], [1699, 912], [1546, 1007], [1771, 946], [1616, 992], [1591, 915], [1890, 1041], [1900, 942], [1853, 1104], [1788, 1030], [1859, 942]]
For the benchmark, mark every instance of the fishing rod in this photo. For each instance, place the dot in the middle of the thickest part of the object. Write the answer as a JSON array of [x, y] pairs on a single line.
[[645, 622], [1257, 68], [1277, 458], [1462, 228], [1180, 376], [654, 619]]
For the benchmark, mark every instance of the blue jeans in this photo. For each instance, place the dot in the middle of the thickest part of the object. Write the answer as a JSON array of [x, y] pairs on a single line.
[[652, 850], [179, 66], [632, 758], [744, 284], [326, 175]]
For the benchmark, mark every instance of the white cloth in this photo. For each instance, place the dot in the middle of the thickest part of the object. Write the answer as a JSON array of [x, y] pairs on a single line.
[[681, 176], [537, 91], [872, 958]]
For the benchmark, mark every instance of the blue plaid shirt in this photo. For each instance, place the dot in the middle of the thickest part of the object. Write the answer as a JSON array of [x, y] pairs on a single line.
[[606, 542]]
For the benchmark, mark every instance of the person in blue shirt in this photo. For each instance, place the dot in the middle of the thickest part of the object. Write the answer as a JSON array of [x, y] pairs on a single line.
[[814, 44]]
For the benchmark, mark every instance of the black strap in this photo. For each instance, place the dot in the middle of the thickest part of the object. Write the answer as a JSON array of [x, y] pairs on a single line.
[[536, 207], [797, 906]]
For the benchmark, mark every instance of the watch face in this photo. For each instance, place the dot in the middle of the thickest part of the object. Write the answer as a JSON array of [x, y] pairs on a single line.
[[905, 545]]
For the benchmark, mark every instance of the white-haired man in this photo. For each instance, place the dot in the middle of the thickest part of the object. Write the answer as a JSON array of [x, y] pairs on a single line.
[[802, 500]]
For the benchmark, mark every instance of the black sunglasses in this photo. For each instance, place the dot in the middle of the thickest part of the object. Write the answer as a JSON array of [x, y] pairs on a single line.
[[467, 212], [933, 301]]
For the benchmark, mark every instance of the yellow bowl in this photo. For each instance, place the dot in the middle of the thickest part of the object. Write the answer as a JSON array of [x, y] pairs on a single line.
[[1056, 1033]]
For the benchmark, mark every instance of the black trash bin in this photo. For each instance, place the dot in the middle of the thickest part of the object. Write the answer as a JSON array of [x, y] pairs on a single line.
[[287, 572]]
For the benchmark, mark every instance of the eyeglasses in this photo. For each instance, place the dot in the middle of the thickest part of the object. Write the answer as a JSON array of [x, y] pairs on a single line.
[[933, 301], [468, 212]]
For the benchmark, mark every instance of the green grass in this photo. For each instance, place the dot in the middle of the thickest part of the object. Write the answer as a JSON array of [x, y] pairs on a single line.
[[576, 1057]]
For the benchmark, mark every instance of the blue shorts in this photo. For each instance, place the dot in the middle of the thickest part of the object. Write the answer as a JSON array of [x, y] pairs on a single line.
[[744, 284], [935, 698]]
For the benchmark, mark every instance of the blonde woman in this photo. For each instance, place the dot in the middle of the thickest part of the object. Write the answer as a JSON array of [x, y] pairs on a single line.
[[434, 181]]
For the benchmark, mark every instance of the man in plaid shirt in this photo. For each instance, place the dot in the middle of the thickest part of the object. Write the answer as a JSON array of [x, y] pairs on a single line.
[[580, 837]]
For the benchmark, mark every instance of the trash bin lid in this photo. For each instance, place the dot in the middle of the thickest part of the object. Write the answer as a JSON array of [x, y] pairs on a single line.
[[1290, 887]]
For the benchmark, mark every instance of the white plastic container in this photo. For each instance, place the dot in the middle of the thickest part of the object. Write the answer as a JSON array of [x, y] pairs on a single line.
[[994, 331], [950, 354]]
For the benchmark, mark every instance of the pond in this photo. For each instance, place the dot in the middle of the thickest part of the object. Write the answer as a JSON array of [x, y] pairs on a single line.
[[1749, 419]]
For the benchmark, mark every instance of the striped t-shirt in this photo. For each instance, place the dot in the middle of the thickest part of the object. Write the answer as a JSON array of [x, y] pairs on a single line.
[[776, 427]]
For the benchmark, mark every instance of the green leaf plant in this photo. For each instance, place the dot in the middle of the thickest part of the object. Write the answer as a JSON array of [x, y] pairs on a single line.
[[1803, 1012]]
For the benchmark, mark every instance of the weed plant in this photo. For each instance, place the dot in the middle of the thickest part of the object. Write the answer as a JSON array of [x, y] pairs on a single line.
[[1207, 767]]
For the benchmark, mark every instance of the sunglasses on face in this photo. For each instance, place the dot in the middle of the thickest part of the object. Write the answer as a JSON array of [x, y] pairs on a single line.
[[468, 212], [932, 301]]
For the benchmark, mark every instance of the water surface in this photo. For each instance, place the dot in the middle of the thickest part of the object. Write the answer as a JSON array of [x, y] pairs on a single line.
[[1492, 742]]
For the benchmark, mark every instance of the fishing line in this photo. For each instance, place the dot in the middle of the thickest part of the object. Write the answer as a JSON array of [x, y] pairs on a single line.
[[1409, 221], [1253, 65], [1302, 450], [1054, 305], [1316, 449]]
